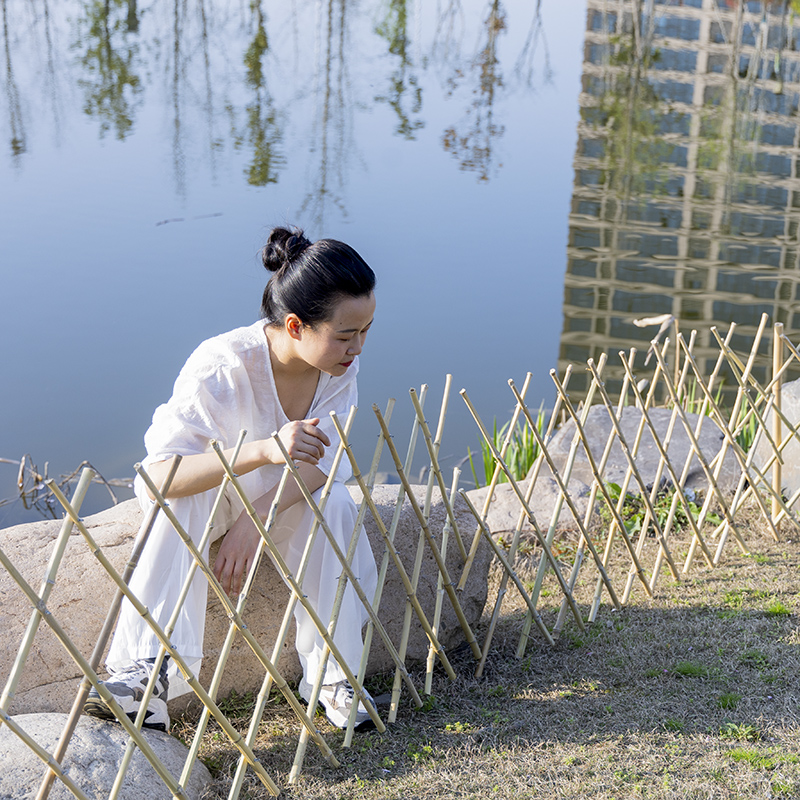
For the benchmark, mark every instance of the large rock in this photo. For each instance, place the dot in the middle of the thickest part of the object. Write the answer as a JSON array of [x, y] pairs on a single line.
[[790, 470], [505, 507], [83, 592], [598, 428], [92, 761]]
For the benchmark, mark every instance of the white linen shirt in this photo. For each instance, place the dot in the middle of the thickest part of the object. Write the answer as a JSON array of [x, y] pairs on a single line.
[[227, 385]]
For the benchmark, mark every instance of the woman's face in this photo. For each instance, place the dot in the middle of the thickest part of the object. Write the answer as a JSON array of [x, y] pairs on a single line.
[[332, 345]]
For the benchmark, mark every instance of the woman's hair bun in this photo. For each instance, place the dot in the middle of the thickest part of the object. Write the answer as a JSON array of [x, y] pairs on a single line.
[[283, 247]]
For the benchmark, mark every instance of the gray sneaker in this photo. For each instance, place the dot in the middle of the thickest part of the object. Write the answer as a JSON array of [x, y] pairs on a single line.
[[337, 700], [127, 688]]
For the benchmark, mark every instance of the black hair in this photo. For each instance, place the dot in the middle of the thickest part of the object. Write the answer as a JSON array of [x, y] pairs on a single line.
[[309, 279]]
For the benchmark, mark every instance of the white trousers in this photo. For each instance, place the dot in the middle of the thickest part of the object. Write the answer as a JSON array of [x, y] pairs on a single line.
[[166, 561]]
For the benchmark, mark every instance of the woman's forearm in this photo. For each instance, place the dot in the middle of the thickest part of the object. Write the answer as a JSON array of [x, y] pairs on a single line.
[[203, 471], [302, 440]]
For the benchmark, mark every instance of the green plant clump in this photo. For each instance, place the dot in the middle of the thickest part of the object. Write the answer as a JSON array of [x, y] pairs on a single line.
[[519, 457]]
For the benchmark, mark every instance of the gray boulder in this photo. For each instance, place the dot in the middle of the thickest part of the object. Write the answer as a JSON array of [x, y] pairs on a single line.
[[83, 592], [92, 761], [598, 428], [505, 507]]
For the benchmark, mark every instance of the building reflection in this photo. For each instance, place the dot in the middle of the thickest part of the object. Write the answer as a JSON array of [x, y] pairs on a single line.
[[686, 195]]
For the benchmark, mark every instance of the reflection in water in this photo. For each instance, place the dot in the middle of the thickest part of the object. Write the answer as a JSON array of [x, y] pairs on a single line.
[[18, 142], [536, 37], [178, 71], [263, 134], [686, 190], [471, 140], [332, 138], [394, 28], [183, 55], [109, 78]]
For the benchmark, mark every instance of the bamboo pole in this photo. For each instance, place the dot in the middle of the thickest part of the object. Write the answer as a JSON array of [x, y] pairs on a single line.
[[393, 552], [434, 474], [433, 452], [676, 480], [602, 487], [497, 472], [280, 639], [290, 580], [376, 601], [515, 539], [740, 394], [696, 447], [568, 500], [613, 527], [687, 464], [745, 488], [611, 533], [448, 584], [229, 639], [332, 626], [534, 477], [543, 453], [644, 407], [351, 576], [509, 570], [59, 548], [230, 611], [168, 630], [84, 666], [764, 394], [437, 611], [190, 678], [623, 488], [104, 635], [537, 531], [568, 467], [347, 574], [744, 464], [636, 474]]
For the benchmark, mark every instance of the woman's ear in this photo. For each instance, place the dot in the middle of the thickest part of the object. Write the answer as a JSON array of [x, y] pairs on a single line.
[[293, 326]]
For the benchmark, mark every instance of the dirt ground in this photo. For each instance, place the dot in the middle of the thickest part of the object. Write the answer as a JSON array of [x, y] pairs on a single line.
[[690, 694]]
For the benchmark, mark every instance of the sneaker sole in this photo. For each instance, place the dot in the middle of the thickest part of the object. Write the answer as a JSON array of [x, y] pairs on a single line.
[[97, 708]]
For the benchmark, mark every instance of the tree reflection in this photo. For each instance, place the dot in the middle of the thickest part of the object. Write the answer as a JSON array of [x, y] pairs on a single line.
[[332, 146], [17, 141], [525, 66], [184, 51], [263, 134], [403, 82], [471, 142], [111, 84]]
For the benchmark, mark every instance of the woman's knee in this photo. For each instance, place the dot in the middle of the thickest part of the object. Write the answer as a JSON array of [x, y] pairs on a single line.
[[340, 501]]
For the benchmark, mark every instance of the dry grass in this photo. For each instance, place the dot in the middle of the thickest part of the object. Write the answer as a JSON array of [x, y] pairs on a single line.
[[690, 695]]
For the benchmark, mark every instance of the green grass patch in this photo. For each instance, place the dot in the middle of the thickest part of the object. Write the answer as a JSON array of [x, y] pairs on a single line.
[[690, 669], [728, 700], [777, 609]]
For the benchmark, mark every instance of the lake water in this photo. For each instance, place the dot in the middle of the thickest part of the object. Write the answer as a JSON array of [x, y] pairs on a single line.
[[525, 178]]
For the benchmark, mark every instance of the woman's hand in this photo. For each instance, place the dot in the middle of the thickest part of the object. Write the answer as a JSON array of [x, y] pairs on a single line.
[[236, 554], [303, 440]]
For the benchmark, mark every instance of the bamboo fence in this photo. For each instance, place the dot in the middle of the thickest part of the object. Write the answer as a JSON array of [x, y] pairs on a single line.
[[756, 422]]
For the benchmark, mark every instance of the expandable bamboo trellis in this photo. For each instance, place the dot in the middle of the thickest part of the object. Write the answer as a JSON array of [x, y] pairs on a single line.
[[759, 487]]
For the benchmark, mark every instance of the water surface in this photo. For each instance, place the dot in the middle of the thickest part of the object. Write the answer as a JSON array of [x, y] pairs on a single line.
[[525, 178]]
